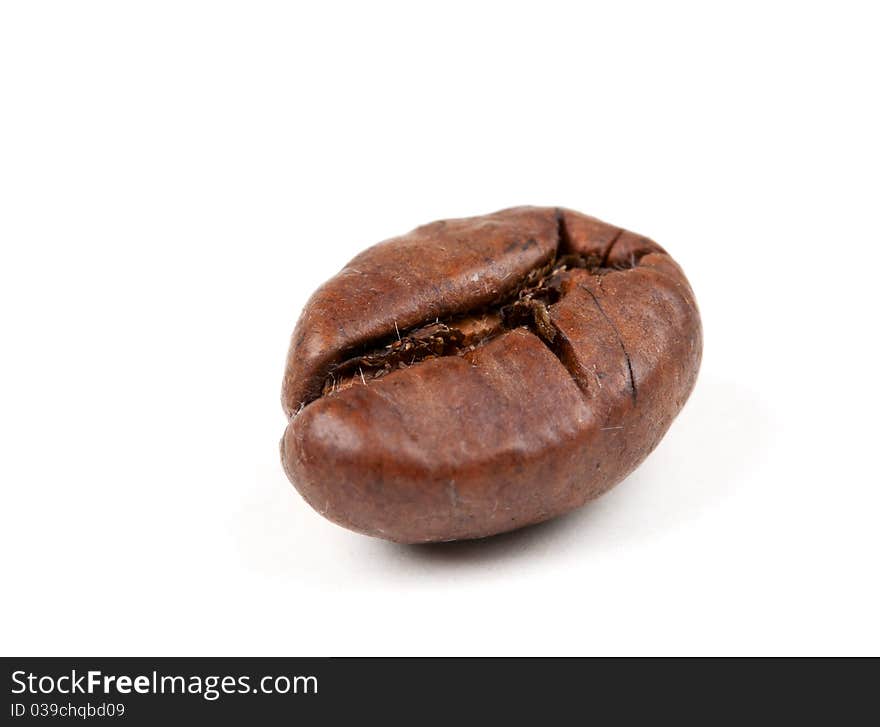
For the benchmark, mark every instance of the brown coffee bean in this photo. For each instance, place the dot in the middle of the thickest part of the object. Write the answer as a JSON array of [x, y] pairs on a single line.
[[478, 375]]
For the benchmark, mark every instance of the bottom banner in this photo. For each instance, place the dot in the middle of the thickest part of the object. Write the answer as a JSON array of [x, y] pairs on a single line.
[[150, 691]]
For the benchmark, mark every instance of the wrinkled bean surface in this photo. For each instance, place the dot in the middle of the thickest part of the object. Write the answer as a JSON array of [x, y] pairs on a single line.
[[478, 375]]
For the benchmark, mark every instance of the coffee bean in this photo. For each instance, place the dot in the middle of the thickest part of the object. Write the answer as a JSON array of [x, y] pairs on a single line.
[[478, 375]]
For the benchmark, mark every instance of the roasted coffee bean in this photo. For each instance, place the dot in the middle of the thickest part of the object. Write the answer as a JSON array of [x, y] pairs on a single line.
[[478, 375]]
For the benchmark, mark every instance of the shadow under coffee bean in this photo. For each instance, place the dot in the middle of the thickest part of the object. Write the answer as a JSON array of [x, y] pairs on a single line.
[[478, 375]]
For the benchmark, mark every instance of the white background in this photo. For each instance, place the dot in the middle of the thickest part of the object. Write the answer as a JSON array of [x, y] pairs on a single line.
[[175, 180]]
